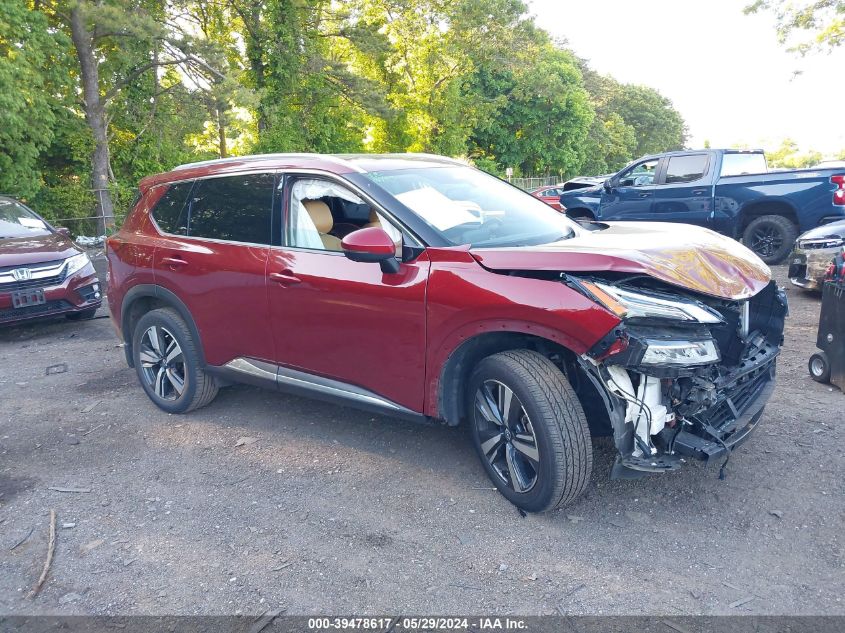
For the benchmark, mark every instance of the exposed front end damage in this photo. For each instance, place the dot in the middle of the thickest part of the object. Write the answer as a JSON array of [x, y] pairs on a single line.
[[691, 386]]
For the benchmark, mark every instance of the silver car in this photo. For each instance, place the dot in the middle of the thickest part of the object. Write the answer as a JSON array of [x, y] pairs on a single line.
[[814, 251]]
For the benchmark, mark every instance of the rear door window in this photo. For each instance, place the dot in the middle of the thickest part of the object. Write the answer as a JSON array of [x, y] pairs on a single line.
[[683, 169], [233, 208], [739, 164], [171, 210]]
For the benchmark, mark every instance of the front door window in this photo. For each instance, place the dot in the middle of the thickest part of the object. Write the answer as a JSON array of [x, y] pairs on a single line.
[[640, 175]]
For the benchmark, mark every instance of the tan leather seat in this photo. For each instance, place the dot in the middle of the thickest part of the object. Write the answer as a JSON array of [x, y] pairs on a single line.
[[375, 222], [322, 218]]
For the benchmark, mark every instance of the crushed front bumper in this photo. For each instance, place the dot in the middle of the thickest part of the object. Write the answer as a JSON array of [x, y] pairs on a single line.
[[661, 414], [736, 414], [807, 267]]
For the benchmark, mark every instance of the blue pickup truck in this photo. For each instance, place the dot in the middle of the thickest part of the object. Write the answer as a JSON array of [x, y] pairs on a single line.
[[729, 191]]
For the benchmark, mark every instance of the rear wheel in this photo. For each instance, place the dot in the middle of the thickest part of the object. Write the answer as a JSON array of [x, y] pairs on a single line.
[[529, 430], [168, 363], [819, 367], [771, 237]]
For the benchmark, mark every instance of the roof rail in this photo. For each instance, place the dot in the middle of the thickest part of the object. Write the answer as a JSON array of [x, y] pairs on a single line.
[[247, 158]]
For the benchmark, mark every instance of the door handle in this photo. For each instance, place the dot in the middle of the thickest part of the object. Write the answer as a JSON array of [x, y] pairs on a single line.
[[645, 195], [174, 262], [698, 192], [285, 278]]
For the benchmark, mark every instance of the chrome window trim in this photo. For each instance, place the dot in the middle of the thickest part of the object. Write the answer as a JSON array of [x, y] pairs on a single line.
[[284, 172], [35, 272]]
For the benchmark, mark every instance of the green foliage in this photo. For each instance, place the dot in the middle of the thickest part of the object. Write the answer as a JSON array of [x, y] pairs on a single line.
[[189, 80], [536, 116], [32, 68], [818, 25], [657, 125], [790, 156]]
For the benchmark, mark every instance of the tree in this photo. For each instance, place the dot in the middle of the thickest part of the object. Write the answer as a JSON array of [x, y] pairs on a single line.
[[658, 127], [789, 156], [32, 69], [537, 115], [117, 43], [822, 22]]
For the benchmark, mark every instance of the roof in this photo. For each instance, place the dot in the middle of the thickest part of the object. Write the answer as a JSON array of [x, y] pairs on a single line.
[[727, 150], [334, 163]]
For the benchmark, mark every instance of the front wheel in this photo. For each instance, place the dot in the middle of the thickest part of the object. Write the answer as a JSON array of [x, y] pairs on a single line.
[[771, 237], [529, 430]]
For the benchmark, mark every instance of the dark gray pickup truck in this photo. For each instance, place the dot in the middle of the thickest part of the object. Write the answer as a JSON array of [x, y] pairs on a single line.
[[729, 191]]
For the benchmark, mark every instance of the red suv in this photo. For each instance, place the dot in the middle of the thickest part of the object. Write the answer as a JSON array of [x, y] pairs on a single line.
[[42, 273], [418, 287]]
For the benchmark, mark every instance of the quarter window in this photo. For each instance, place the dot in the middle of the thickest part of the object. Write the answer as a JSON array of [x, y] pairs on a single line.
[[171, 210], [686, 168], [234, 208]]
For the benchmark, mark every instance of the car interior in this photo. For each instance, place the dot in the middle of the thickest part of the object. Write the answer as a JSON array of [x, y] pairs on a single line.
[[323, 213]]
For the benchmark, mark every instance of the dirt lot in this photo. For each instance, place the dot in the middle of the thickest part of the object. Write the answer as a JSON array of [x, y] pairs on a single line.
[[333, 510]]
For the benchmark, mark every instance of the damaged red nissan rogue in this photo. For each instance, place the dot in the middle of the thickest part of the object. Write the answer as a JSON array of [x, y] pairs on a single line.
[[419, 287]]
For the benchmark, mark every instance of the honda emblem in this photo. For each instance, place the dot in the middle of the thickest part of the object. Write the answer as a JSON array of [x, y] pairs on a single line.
[[22, 274]]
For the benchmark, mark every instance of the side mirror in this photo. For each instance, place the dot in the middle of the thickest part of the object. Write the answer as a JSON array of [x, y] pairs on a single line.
[[371, 245], [62, 230], [608, 185]]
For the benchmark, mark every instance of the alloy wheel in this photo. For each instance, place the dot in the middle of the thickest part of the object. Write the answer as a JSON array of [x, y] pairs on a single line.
[[506, 436], [766, 241], [162, 363]]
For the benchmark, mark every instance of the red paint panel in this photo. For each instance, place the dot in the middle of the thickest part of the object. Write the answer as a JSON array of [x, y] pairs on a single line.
[[369, 240], [224, 287], [350, 321], [465, 300]]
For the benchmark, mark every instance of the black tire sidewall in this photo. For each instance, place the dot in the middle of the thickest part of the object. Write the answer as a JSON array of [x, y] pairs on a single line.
[[787, 232], [539, 497], [824, 377], [177, 329]]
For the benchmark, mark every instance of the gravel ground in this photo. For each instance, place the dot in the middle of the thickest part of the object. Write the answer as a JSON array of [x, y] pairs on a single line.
[[264, 500]]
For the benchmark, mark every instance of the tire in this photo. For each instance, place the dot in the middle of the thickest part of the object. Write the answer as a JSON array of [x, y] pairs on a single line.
[[546, 422], [771, 237], [84, 315], [819, 367], [160, 379]]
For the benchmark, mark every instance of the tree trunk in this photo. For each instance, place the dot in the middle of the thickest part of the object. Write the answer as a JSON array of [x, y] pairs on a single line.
[[95, 115], [221, 130]]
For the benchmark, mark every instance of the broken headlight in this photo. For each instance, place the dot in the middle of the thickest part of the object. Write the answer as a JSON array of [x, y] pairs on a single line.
[[628, 304], [680, 352]]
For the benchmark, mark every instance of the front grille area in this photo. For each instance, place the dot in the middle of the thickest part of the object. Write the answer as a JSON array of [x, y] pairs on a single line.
[[734, 398], [42, 275], [44, 282], [810, 245], [43, 309]]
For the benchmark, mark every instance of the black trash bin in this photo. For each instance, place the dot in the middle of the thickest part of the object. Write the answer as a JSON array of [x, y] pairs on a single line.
[[828, 365]]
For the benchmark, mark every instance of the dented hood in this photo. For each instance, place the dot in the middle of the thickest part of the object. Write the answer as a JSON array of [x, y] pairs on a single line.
[[682, 255]]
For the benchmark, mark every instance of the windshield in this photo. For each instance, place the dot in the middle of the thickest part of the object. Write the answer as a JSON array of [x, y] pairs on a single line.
[[18, 221], [467, 206]]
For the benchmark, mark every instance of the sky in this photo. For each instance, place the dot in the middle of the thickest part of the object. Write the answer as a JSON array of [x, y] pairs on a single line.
[[725, 72]]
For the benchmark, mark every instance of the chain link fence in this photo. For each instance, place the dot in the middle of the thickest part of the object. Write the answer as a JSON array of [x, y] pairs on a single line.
[[529, 183]]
